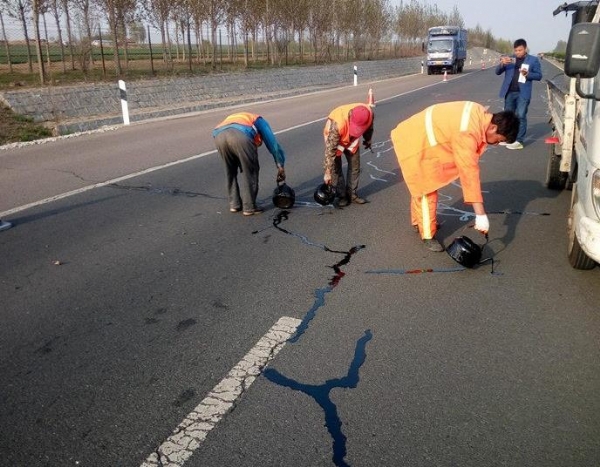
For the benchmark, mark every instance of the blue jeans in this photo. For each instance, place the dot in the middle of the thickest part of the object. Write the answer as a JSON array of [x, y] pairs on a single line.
[[513, 101]]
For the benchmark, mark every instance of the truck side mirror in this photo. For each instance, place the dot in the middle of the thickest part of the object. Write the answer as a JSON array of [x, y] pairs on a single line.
[[583, 51]]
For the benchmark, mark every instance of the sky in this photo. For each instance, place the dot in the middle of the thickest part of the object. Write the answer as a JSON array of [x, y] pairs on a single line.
[[531, 20]]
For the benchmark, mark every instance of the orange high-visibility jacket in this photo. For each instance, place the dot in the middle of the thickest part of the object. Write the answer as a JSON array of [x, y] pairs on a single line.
[[340, 116], [246, 119], [440, 144]]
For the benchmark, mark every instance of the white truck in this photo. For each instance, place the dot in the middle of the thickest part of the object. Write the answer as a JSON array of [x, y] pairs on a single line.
[[574, 159]]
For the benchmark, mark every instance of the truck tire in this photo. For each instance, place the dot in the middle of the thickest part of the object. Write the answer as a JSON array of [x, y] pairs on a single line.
[[577, 257], [455, 68], [429, 70], [555, 179]]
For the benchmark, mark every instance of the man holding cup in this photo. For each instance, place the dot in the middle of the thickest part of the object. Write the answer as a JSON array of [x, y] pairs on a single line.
[[520, 70]]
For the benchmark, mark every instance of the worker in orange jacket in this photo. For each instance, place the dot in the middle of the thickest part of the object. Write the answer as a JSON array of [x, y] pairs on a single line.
[[344, 127], [441, 144]]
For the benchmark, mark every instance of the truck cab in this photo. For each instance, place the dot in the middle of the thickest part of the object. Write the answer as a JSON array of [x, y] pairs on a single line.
[[574, 159]]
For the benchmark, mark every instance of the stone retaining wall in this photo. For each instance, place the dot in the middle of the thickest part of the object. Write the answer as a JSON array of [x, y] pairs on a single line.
[[89, 106], [70, 109]]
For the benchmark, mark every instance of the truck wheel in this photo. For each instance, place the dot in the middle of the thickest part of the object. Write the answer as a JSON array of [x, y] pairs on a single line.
[[555, 179], [429, 70], [455, 68], [577, 257]]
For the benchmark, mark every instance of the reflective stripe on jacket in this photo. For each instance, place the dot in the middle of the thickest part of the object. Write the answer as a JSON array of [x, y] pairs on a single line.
[[340, 115], [246, 119], [440, 144]]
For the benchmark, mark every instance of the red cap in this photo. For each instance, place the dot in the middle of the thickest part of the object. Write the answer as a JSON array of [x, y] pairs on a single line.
[[360, 120]]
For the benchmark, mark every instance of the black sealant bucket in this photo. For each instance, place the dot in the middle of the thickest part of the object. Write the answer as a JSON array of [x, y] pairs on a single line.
[[465, 251], [284, 196]]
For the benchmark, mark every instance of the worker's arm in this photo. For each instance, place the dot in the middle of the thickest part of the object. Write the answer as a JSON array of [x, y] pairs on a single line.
[[270, 141]]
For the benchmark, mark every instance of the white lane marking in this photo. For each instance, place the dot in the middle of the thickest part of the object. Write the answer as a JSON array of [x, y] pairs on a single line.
[[192, 431], [164, 166]]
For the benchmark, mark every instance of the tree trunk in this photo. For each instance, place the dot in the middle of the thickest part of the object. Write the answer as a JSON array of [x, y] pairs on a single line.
[[213, 33], [6, 46], [246, 49], [38, 44], [163, 41], [56, 15], [26, 35], [112, 20], [169, 46], [125, 41], [65, 5], [48, 58], [177, 40]]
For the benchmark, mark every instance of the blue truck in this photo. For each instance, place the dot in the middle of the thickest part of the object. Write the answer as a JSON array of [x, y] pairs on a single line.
[[446, 49]]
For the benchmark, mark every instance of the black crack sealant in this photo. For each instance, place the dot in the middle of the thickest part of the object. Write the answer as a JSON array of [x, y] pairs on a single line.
[[333, 282], [321, 393]]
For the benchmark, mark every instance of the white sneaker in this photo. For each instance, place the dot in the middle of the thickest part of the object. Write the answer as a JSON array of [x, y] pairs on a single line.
[[4, 225], [515, 145], [502, 143]]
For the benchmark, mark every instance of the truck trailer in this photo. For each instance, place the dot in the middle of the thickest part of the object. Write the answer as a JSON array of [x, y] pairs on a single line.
[[446, 49]]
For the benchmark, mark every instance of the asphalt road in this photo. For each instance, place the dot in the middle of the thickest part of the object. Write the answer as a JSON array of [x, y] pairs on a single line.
[[125, 305]]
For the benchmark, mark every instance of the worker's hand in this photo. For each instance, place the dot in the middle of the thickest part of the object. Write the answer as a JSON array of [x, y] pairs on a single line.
[[280, 174], [482, 224], [327, 177], [367, 144]]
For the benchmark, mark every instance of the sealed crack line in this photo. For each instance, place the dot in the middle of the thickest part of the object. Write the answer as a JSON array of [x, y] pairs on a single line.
[[69, 172], [193, 430], [163, 190]]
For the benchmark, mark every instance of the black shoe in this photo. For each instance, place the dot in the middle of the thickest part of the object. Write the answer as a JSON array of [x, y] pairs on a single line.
[[342, 202], [254, 211], [433, 245], [359, 200]]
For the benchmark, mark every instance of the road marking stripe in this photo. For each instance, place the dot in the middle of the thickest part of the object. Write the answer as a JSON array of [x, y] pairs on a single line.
[[192, 431]]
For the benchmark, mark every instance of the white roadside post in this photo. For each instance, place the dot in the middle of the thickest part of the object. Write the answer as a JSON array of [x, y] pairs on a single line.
[[355, 75], [422, 70], [124, 106]]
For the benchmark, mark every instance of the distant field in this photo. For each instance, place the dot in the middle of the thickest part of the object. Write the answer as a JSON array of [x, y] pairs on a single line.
[[18, 53]]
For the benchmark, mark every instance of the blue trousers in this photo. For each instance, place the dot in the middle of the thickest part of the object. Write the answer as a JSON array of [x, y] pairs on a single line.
[[513, 101]]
